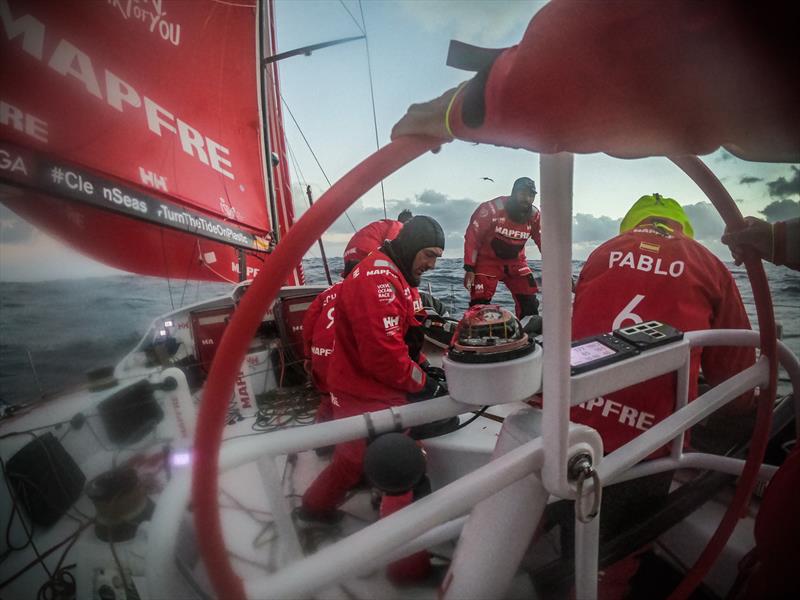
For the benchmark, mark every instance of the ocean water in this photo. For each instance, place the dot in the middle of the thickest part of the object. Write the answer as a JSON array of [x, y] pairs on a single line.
[[52, 333]]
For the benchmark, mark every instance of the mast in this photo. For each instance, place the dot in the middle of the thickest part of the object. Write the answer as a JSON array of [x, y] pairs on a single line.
[[262, 16], [319, 241]]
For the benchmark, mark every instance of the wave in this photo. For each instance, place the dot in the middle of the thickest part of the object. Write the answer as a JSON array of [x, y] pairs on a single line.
[[792, 288], [73, 326]]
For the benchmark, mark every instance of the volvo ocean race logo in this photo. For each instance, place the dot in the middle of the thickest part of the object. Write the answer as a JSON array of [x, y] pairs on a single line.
[[385, 293], [153, 15]]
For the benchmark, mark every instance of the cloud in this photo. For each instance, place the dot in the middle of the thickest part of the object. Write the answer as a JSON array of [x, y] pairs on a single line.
[[747, 180], [723, 156], [781, 210], [482, 23], [706, 222], [588, 231], [782, 187], [588, 228], [452, 213]]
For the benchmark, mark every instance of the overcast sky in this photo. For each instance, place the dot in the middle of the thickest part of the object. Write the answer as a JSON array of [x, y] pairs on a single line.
[[329, 95]]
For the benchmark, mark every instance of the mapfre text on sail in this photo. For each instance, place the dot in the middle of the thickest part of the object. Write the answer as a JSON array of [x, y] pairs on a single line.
[[70, 61]]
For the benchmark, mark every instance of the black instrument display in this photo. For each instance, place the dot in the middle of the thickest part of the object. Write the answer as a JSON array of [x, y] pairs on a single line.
[[649, 335], [607, 348], [598, 351]]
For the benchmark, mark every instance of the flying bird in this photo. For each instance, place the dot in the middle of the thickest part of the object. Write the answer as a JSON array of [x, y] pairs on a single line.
[[488, 179]]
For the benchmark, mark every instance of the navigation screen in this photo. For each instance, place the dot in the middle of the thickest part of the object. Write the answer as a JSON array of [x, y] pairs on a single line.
[[588, 352]]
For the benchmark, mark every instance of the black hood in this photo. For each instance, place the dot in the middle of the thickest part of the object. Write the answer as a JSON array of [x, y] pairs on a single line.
[[517, 211], [418, 233]]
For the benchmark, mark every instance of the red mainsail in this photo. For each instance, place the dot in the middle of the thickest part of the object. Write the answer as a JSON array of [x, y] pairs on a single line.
[[131, 130]]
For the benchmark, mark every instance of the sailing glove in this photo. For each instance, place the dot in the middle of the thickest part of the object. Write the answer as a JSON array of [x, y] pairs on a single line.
[[433, 389]]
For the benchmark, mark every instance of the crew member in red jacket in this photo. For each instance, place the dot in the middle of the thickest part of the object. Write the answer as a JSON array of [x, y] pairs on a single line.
[[377, 361], [318, 342], [730, 67], [318, 324], [494, 248], [370, 237], [654, 270]]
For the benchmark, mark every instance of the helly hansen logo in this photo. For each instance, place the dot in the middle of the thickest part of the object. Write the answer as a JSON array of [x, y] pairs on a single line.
[[391, 322]]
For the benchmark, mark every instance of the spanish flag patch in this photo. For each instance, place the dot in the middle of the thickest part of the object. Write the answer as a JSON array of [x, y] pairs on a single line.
[[649, 247]]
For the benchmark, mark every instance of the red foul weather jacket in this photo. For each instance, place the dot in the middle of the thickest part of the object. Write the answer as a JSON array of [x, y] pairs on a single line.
[[318, 334], [370, 237], [493, 237], [635, 79], [649, 274], [375, 308]]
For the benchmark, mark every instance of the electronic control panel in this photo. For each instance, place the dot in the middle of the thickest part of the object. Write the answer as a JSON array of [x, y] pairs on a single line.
[[607, 348], [649, 335]]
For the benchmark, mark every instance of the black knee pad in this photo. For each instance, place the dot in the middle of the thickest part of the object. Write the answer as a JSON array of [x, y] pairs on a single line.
[[423, 488], [394, 463]]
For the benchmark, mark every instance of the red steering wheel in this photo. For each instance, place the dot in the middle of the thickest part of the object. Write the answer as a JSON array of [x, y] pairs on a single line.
[[265, 287], [243, 326]]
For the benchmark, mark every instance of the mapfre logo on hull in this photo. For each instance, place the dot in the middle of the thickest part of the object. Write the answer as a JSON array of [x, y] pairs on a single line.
[[153, 15]]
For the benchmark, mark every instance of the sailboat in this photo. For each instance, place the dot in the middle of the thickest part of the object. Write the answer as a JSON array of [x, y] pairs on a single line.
[[161, 167]]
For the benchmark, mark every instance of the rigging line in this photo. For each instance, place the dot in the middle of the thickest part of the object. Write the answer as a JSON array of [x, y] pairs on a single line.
[[372, 98], [298, 172], [310, 149], [321, 245], [299, 175], [166, 267], [186, 279], [28, 533], [207, 266], [71, 538], [305, 139], [218, 274], [360, 28]]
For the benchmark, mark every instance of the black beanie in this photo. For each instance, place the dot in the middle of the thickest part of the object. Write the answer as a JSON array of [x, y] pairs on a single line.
[[524, 183], [417, 233]]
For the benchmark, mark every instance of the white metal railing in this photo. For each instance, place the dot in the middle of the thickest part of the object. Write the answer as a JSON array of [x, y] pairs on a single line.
[[526, 473], [439, 516], [556, 175]]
